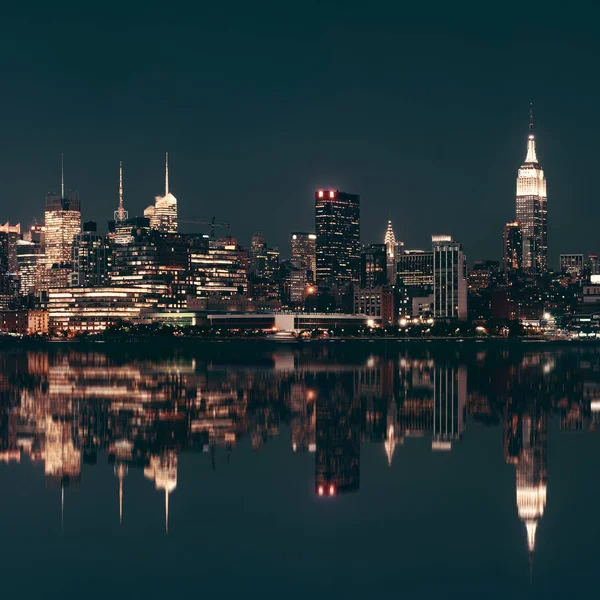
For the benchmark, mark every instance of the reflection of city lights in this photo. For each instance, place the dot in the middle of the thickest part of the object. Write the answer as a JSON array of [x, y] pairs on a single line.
[[370, 362]]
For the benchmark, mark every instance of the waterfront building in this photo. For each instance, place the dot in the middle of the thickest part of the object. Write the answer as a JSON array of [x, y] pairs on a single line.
[[93, 309], [532, 209], [482, 275], [373, 266], [379, 301], [513, 247], [337, 227], [449, 278], [393, 250]]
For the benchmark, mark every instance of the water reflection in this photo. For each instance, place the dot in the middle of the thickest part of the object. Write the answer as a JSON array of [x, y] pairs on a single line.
[[62, 407]]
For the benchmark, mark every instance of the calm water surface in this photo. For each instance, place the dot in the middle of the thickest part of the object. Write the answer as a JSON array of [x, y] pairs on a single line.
[[314, 471]]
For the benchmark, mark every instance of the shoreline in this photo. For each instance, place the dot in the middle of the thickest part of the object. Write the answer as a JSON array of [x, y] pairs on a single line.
[[175, 341]]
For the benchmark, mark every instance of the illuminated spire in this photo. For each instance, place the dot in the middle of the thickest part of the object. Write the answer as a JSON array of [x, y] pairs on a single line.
[[531, 157], [120, 185], [167, 511], [390, 445], [390, 239], [62, 176], [167, 174]]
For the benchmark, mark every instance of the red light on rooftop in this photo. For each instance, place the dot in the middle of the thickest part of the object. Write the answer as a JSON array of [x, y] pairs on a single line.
[[332, 194], [320, 193], [321, 490]]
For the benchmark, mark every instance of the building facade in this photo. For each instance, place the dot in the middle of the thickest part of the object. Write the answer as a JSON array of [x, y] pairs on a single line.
[[532, 210], [373, 266], [91, 259], [337, 227], [449, 278], [572, 264], [513, 247], [62, 224], [415, 268]]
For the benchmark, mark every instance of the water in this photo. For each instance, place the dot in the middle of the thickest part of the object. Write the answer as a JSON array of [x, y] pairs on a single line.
[[320, 470]]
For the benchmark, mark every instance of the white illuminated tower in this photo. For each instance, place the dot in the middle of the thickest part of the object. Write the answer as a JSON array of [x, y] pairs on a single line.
[[532, 209], [163, 214]]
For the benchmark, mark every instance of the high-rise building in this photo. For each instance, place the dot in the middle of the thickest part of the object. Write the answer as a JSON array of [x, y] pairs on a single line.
[[571, 264], [29, 264], [91, 258], [513, 247], [304, 265], [415, 268], [337, 226], [373, 266], [449, 278], [63, 223], [393, 250], [532, 209], [119, 227], [9, 234], [163, 213], [304, 252]]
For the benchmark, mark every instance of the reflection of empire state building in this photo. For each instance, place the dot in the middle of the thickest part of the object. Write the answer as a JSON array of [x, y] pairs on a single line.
[[532, 209], [525, 446]]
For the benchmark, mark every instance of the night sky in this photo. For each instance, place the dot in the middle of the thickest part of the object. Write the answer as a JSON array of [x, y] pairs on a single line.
[[422, 111]]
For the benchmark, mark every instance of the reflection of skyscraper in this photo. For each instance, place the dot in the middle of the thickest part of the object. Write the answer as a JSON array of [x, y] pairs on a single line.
[[525, 446], [302, 405], [337, 460], [449, 406]]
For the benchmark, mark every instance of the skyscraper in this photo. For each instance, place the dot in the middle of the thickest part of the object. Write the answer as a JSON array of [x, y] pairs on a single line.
[[449, 278], [9, 234], [91, 258], [393, 249], [373, 266], [337, 226], [513, 247], [163, 213], [532, 210], [63, 223], [119, 227], [303, 247]]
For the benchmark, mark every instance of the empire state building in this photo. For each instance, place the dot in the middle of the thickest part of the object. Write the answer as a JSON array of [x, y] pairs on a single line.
[[532, 209]]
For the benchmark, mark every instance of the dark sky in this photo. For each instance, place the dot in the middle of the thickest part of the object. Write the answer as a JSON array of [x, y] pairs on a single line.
[[421, 110]]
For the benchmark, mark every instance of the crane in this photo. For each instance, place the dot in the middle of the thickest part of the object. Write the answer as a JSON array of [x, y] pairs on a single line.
[[202, 221]]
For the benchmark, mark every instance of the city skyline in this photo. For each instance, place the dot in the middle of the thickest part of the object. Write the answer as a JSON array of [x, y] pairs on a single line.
[[169, 199], [421, 137]]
